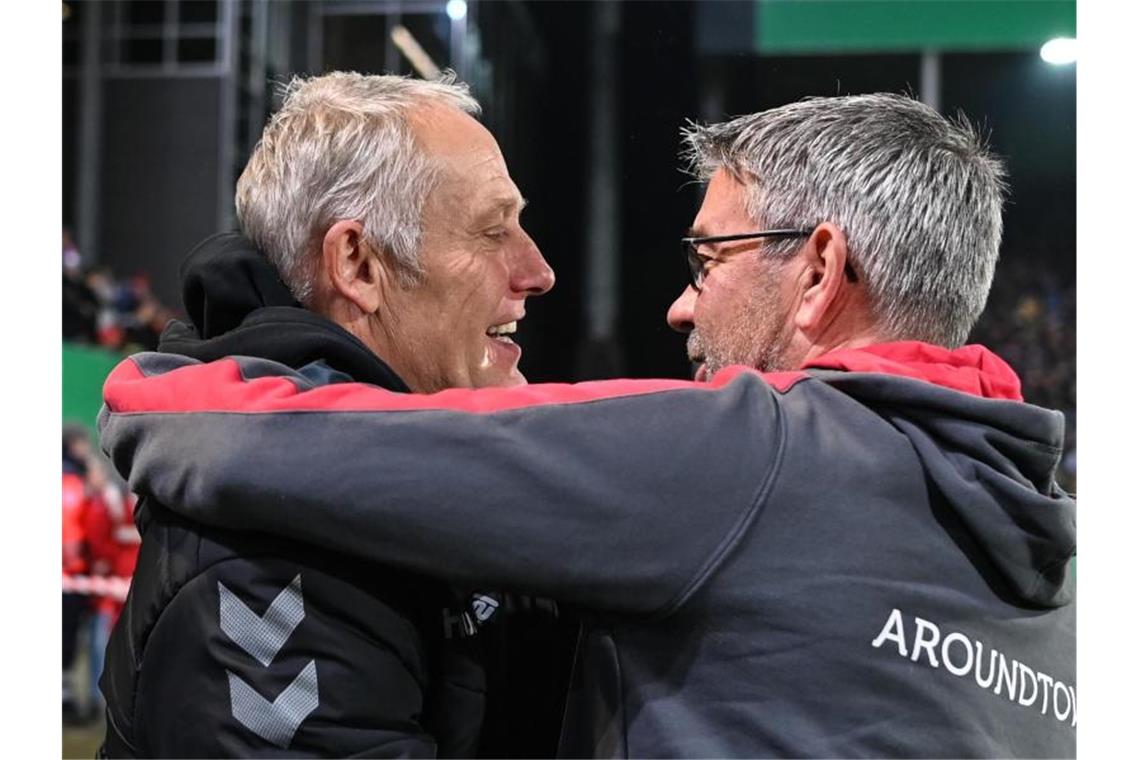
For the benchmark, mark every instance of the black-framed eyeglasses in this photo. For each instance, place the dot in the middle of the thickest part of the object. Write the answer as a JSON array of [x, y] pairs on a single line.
[[698, 264]]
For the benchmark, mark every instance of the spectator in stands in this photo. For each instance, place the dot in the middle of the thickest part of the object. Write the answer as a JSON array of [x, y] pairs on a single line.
[[122, 315], [76, 450], [72, 260], [112, 547], [146, 317], [80, 303]]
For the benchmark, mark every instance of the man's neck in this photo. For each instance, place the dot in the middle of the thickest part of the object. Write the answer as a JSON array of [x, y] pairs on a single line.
[[803, 351], [818, 350]]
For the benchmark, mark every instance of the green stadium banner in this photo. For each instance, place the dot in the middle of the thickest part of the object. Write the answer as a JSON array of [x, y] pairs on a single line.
[[84, 370], [785, 27]]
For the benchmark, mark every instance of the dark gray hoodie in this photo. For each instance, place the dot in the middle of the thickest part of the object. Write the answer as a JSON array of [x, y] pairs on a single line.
[[866, 558]]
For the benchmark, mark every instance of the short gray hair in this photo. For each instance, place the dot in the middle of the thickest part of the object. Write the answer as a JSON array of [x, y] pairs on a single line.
[[341, 147], [919, 198]]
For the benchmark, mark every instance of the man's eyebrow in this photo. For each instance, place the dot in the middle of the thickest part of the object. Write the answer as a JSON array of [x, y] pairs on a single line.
[[694, 232], [503, 204]]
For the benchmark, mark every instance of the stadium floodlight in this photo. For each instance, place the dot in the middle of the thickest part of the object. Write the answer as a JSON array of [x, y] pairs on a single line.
[[1059, 51], [456, 9]]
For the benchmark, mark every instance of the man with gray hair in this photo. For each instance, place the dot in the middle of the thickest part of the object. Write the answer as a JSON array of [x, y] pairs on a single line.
[[394, 256], [853, 545]]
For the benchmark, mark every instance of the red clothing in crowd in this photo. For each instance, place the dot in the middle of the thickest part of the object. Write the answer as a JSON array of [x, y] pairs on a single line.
[[99, 534], [74, 511], [112, 539]]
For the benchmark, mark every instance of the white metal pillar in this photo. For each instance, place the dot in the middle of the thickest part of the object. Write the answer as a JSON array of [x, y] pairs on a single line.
[[602, 225], [87, 228], [930, 89]]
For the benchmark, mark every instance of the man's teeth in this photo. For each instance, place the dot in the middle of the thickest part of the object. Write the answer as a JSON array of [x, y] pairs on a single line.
[[503, 330]]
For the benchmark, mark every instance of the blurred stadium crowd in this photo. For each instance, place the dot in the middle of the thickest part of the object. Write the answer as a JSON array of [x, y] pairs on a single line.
[[104, 310], [100, 546], [1031, 322]]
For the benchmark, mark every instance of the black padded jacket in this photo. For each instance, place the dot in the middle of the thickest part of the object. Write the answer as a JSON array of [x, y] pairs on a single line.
[[250, 644]]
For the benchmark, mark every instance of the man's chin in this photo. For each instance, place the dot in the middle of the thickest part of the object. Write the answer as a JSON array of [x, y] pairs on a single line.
[[502, 379], [515, 378], [499, 367]]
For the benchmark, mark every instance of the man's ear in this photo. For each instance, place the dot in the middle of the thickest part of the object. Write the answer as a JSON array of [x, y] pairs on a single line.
[[824, 278], [352, 267]]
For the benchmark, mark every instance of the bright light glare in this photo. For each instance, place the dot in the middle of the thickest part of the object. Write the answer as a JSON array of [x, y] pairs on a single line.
[[456, 9], [1060, 51]]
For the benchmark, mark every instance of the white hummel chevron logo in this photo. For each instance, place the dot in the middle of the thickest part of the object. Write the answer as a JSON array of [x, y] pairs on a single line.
[[275, 721], [262, 636]]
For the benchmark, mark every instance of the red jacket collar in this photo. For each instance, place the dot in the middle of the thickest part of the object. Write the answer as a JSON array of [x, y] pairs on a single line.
[[971, 369]]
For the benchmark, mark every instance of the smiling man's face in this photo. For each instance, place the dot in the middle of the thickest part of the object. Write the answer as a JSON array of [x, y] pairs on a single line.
[[453, 328]]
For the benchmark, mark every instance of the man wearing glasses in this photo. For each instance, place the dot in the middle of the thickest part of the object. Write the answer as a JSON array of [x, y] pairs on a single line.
[[852, 545], [765, 345]]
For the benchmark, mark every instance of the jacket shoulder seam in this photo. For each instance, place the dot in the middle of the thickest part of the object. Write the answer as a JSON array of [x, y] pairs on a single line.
[[743, 522]]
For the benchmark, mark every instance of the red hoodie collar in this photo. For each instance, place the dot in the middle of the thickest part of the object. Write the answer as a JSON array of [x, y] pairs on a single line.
[[970, 369]]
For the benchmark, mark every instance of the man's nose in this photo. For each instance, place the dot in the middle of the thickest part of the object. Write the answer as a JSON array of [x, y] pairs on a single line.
[[680, 314], [531, 274]]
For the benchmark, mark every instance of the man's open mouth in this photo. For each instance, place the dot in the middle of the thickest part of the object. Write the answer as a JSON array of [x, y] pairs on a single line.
[[503, 332]]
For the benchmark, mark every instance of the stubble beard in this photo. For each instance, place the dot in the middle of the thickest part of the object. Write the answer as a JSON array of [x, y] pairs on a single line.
[[759, 339]]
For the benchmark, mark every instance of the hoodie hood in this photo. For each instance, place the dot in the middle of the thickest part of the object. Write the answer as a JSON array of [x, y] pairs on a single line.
[[992, 457], [238, 306]]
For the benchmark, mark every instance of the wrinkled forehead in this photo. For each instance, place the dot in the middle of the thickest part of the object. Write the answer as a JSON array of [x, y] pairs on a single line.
[[725, 205], [453, 138], [471, 168]]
